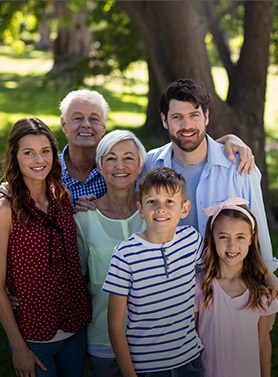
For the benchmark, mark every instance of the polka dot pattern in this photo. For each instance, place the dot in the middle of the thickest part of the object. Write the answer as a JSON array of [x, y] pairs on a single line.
[[49, 298]]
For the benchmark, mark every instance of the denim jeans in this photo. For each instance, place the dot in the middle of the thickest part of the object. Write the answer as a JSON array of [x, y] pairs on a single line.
[[64, 358], [192, 369], [104, 367]]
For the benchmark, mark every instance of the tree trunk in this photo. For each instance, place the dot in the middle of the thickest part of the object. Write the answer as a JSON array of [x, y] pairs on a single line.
[[157, 134], [173, 34], [44, 31], [73, 43]]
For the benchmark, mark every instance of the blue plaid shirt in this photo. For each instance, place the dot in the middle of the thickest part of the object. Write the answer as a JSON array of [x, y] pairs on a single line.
[[94, 183]]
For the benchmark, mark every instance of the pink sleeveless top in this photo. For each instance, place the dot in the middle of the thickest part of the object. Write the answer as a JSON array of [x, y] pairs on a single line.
[[44, 273]]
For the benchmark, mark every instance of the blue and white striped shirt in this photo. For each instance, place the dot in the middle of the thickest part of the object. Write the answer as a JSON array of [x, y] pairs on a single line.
[[94, 183], [159, 281]]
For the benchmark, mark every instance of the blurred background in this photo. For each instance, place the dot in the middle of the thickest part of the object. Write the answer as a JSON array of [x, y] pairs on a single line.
[[130, 51]]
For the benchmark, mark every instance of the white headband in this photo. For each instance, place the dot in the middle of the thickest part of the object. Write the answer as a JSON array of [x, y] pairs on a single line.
[[233, 203]]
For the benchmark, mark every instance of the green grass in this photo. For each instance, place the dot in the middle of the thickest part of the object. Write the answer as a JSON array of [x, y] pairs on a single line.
[[26, 90]]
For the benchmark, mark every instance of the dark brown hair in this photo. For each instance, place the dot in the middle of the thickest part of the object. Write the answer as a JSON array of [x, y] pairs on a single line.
[[13, 175], [185, 90]]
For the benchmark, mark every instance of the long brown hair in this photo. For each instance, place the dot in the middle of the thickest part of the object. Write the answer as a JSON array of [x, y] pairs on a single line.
[[13, 175], [254, 269]]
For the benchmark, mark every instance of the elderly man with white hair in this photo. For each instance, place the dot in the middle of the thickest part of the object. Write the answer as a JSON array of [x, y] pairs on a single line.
[[83, 116]]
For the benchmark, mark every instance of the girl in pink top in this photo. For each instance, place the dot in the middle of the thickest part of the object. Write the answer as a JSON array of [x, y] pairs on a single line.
[[234, 302]]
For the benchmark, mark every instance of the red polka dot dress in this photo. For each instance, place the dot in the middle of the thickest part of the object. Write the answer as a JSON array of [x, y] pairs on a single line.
[[44, 273]]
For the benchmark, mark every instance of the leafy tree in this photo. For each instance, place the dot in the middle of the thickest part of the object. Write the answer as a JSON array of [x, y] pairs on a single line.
[[174, 36]]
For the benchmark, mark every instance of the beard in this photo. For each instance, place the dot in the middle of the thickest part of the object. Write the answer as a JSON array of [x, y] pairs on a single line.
[[188, 145]]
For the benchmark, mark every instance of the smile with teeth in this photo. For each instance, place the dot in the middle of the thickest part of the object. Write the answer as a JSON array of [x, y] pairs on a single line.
[[120, 174], [231, 255], [186, 134], [85, 134], [38, 168], [161, 219]]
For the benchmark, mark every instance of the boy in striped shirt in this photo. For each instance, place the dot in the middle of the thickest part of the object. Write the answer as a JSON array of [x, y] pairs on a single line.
[[152, 275]]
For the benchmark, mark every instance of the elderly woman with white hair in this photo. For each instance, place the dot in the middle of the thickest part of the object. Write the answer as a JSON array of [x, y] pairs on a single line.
[[120, 157]]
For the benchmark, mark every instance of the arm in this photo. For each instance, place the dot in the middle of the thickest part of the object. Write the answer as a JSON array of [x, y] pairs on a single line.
[[265, 346], [251, 191], [82, 245], [23, 359], [273, 283], [116, 319], [234, 144]]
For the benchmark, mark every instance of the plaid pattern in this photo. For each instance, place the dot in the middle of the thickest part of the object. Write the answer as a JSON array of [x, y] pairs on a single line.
[[94, 183]]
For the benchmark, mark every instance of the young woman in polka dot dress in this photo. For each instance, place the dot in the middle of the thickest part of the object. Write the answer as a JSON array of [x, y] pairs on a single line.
[[39, 261]]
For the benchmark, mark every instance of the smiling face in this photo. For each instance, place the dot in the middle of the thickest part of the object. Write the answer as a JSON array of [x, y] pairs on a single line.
[[84, 124], [163, 209], [186, 125], [35, 157], [120, 166], [232, 238]]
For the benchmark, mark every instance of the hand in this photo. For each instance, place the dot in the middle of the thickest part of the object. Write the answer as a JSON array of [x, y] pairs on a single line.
[[4, 189], [233, 145], [24, 363], [84, 203]]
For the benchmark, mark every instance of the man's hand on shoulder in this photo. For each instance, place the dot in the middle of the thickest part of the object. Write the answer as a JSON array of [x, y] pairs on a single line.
[[233, 144], [4, 189]]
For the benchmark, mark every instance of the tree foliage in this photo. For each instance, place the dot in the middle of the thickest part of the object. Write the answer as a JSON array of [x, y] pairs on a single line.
[[116, 41], [19, 22]]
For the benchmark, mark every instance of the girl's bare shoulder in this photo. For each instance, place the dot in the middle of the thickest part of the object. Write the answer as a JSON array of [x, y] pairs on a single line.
[[5, 205]]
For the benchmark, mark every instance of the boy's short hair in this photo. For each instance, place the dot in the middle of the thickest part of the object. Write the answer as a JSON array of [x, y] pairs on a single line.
[[162, 177]]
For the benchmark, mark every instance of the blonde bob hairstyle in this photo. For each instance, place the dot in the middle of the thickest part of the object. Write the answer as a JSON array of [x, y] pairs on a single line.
[[86, 95], [112, 138]]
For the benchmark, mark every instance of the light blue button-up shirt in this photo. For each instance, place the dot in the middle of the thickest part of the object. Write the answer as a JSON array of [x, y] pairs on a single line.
[[220, 181]]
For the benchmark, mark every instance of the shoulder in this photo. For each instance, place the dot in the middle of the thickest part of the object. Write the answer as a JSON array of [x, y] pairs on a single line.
[[187, 231], [130, 247], [159, 153], [86, 219], [218, 159], [158, 150], [5, 204], [270, 307], [5, 212]]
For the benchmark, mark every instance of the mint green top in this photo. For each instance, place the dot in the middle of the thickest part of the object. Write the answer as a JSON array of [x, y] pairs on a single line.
[[97, 237]]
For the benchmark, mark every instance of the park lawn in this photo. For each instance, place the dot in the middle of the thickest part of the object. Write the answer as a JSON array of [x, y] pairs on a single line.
[[26, 90]]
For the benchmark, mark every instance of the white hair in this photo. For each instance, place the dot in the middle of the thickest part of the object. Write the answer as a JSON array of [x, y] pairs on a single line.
[[87, 95], [112, 138]]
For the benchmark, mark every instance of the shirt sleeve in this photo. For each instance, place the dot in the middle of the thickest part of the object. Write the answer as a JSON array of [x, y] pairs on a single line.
[[253, 193], [271, 309], [119, 277]]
